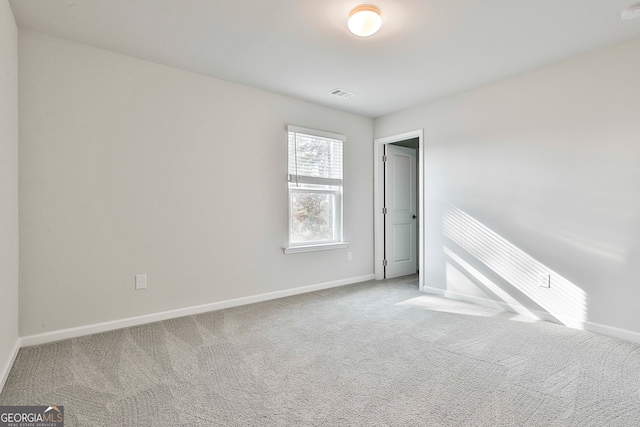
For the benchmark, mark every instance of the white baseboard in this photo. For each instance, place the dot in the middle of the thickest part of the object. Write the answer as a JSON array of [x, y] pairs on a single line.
[[79, 331], [611, 331], [4, 373], [598, 328]]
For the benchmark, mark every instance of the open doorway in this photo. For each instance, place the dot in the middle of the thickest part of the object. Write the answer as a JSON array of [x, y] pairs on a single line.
[[398, 216], [400, 211]]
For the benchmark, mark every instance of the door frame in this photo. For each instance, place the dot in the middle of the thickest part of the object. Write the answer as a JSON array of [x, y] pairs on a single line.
[[378, 201]]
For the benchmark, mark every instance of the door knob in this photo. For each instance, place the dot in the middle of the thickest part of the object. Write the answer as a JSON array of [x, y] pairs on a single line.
[[414, 217]]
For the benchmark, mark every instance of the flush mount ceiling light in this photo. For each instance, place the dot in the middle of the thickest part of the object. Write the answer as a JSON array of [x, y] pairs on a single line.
[[631, 12], [364, 20]]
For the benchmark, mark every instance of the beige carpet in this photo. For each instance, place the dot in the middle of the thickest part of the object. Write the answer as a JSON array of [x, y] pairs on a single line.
[[371, 354]]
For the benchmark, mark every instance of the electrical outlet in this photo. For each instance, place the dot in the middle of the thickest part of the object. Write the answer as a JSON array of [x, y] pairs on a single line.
[[544, 280], [141, 281], [349, 256]]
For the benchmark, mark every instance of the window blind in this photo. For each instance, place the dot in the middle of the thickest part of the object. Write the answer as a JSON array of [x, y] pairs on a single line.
[[315, 157]]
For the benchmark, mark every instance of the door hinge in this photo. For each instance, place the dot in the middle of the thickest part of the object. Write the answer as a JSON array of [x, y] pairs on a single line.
[[384, 158], [384, 262], [384, 211]]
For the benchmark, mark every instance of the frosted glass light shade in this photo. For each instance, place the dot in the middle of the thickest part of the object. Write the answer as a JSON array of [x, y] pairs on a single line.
[[631, 12], [364, 20]]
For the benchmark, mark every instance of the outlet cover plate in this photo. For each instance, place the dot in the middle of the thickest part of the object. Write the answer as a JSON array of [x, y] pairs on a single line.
[[544, 280], [141, 281]]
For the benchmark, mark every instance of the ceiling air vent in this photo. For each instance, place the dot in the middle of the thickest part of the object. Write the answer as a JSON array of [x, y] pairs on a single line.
[[341, 93]]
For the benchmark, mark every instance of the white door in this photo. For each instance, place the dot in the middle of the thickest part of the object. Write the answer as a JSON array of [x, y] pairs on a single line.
[[400, 218]]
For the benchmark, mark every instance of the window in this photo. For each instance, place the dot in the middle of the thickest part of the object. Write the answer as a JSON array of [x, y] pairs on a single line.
[[315, 190]]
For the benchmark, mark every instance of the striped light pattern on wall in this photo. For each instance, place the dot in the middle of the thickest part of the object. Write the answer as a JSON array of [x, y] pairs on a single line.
[[563, 300]]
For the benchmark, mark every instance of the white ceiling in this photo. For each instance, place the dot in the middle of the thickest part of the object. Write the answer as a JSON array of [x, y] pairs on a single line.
[[425, 50]]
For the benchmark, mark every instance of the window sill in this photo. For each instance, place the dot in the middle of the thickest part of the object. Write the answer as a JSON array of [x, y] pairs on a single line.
[[314, 248]]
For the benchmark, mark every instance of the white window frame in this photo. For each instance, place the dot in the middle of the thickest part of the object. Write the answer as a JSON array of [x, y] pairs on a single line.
[[338, 225]]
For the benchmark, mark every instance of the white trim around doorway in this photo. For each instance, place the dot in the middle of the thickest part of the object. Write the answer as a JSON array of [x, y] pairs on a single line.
[[378, 201]]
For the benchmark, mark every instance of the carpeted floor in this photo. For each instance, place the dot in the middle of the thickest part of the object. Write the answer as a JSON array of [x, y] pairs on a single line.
[[371, 354]]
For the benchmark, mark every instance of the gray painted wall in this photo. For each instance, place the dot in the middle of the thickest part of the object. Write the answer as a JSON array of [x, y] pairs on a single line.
[[8, 187], [129, 167], [547, 160]]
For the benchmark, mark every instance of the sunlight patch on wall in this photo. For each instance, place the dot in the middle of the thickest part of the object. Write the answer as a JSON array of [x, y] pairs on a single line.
[[601, 249], [563, 300], [489, 284]]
